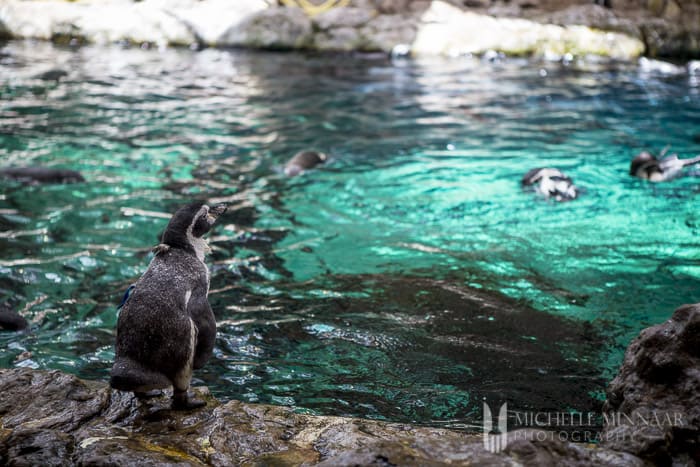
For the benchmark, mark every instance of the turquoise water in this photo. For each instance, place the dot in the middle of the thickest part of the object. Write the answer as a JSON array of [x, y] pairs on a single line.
[[410, 277]]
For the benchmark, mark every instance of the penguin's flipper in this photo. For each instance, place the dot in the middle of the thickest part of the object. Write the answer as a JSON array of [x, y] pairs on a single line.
[[691, 161], [199, 310]]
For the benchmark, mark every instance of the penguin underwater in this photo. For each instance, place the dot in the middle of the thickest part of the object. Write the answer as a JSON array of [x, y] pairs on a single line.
[[648, 167], [551, 183], [166, 327]]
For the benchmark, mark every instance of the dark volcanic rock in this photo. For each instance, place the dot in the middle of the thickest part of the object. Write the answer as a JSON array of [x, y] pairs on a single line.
[[534, 447], [654, 402], [36, 400], [51, 418]]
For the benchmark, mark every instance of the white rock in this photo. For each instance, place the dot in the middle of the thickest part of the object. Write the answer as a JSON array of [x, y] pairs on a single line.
[[445, 28], [213, 19], [180, 22]]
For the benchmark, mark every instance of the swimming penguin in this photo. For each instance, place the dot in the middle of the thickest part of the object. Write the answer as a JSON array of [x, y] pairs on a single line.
[[11, 320], [166, 327], [647, 166], [302, 161], [54, 74], [36, 175], [551, 183]]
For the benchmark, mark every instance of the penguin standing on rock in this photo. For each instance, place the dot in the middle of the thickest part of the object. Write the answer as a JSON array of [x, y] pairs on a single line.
[[551, 183], [166, 327]]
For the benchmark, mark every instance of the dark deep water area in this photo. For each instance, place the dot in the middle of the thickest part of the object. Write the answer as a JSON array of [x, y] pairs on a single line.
[[409, 278]]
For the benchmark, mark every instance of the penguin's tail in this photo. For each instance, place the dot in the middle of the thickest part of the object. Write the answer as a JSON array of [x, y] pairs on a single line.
[[128, 375]]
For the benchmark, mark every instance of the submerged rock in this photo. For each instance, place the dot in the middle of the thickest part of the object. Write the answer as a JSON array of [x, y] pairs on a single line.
[[653, 403]]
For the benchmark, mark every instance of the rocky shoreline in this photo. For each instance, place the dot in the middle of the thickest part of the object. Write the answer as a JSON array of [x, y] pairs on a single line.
[[52, 418], [553, 29]]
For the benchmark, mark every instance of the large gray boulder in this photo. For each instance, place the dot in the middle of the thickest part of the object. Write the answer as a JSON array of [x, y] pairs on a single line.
[[653, 407], [273, 28]]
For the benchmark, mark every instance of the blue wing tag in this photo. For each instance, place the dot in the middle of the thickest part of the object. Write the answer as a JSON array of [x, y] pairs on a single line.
[[126, 296]]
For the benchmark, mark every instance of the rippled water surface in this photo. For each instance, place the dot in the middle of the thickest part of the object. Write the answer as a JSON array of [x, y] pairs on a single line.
[[407, 279]]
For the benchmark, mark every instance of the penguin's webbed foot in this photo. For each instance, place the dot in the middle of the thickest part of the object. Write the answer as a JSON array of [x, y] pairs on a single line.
[[148, 394], [182, 401]]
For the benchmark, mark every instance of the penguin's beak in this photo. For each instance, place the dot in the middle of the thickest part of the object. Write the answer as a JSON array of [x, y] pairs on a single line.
[[216, 211]]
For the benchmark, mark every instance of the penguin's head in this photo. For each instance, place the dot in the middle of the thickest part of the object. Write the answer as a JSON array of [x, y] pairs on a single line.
[[304, 160], [537, 175], [188, 225], [552, 183], [643, 165], [532, 176]]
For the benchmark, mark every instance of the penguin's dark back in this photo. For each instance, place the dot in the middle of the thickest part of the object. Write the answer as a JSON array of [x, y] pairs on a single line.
[[154, 321], [529, 178], [172, 273]]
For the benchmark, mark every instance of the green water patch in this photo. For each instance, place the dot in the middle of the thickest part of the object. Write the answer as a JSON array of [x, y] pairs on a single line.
[[408, 278], [408, 348]]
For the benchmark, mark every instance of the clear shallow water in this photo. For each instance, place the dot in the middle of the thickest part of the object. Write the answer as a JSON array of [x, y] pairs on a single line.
[[406, 280]]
